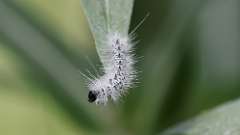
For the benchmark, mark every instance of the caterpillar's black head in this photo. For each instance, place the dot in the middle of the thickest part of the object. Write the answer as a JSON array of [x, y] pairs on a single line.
[[92, 96]]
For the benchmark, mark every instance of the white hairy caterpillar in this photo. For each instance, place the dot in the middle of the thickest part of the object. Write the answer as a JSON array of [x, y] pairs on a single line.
[[118, 67], [119, 73]]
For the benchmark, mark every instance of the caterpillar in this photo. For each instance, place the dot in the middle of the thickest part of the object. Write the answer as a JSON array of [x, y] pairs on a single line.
[[118, 70]]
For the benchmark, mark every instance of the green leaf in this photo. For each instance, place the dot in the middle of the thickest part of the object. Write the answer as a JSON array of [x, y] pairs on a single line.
[[106, 16], [224, 120], [119, 15]]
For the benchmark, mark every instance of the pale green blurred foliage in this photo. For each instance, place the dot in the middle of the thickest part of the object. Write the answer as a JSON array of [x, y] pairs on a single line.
[[190, 63]]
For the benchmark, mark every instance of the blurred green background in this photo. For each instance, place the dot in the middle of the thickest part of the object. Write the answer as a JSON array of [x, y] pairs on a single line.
[[189, 63]]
